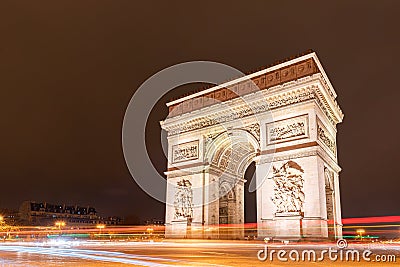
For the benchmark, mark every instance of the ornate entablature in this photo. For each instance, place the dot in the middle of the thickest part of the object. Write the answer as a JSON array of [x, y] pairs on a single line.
[[253, 107], [266, 79], [305, 76]]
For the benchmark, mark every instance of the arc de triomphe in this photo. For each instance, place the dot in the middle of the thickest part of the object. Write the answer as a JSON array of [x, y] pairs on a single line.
[[284, 119]]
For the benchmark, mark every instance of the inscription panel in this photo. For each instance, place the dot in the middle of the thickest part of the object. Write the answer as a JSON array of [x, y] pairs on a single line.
[[185, 151], [287, 130]]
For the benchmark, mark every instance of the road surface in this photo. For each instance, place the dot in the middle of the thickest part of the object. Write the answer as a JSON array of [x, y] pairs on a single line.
[[181, 253]]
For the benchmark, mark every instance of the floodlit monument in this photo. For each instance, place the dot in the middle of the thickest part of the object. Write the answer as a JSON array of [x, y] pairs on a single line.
[[284, 119]]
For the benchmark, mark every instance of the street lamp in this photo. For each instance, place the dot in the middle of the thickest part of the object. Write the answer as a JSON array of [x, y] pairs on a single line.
[[2, 223], [60, 224], [150, 230], [360, 233], [100, 227]]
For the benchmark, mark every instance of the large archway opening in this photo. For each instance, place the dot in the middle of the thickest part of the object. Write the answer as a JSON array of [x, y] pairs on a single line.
[[250, 207], [250, 204], [231, 158]]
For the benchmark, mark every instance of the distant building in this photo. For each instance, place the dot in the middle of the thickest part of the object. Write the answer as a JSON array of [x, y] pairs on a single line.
[[10, 217], [156, 222], [46, 214]]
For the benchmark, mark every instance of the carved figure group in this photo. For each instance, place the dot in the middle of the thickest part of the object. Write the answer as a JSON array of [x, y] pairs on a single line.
[[288, 188], [183, 202]]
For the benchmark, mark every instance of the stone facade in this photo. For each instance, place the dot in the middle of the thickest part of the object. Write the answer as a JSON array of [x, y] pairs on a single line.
[[284, 119]]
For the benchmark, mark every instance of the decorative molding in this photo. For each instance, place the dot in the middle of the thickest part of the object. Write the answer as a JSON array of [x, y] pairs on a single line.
[[288, 148], [242, 111], [243, 86], [287, 130], [187, 166], [325, 107], [185, 172], [185, 151], [326, 102], [287, 157]]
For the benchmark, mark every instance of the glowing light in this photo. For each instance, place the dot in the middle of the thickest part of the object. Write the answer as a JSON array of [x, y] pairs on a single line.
[[60, 224], [383, 219]]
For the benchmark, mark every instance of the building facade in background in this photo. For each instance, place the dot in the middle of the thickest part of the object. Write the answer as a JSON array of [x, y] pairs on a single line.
[[47, 214]]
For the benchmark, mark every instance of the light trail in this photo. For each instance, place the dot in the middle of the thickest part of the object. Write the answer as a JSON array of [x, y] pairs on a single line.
[[382, 225], [101, 255], [367, 220], [104, 256], [174, 253]]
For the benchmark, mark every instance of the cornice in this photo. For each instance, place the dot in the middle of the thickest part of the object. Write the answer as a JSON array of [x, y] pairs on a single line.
[[301, 90], [311, 58]]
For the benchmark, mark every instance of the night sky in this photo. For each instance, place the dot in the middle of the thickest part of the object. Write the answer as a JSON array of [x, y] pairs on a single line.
[[69, 68]]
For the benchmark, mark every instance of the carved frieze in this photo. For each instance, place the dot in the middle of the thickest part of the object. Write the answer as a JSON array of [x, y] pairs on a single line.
[[326, 138], [185, 151], [183, 202], [288, 189], [243, 111], [287, 130]]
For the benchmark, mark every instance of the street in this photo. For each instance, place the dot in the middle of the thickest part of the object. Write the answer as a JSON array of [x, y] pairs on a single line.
[[175, 253]]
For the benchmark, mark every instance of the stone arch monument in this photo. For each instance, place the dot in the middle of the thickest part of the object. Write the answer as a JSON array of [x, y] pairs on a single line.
[[284, 119]]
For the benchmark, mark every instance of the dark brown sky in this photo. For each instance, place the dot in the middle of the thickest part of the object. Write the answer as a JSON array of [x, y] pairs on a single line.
[[69, 68]]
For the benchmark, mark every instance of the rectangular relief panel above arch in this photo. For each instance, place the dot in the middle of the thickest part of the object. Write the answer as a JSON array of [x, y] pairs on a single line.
[[286, 130], [186, 151]]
